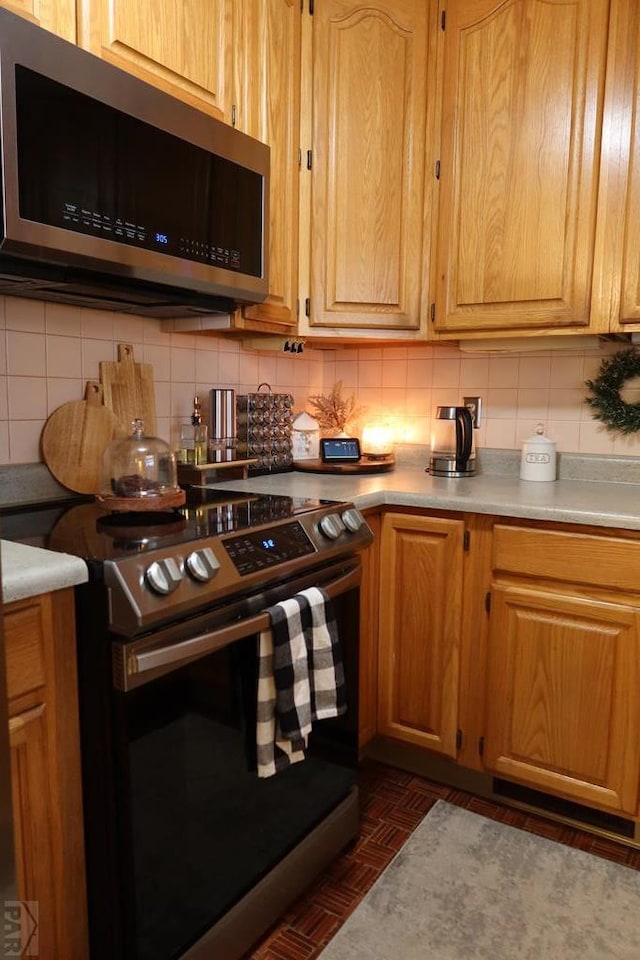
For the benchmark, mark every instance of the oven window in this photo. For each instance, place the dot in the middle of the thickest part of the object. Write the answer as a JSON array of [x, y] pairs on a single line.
[[202, 828]]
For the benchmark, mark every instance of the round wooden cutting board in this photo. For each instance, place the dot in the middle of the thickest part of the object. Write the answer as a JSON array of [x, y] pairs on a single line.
[[74, 439]]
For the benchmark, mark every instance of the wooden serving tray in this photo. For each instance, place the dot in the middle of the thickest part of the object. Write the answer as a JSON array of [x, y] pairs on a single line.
[[364, 465], [164, 501]]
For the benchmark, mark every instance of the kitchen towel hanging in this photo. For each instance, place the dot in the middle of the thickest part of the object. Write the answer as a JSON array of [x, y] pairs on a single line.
[[300, 678]]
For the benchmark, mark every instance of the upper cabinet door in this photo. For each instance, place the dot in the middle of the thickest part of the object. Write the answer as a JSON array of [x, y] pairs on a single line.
[[616, 295], [371, 66], [521, 122], [184, 48], [58, 16], [269, 110]]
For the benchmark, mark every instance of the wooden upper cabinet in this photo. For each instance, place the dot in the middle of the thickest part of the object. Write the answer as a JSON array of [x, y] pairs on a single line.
[[371, 92], [521, 121], [268, 108], [617, 264], [184, 48], [421, 574], [58, 16]]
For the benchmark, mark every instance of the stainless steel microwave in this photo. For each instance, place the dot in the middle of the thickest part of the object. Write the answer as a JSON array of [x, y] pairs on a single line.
[[117, 196]]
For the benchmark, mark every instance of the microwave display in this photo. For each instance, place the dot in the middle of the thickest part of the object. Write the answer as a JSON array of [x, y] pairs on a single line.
[[90, 168]]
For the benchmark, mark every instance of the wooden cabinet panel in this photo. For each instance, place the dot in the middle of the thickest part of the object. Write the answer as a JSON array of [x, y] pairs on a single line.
[[420, 611], [58, 16], [522, 93], [45, 759], [24, 629], [617, 261], [572, 558], [563, 710], [368, 663], [31, 797], [268, 108], [372, 82], [183, 48]]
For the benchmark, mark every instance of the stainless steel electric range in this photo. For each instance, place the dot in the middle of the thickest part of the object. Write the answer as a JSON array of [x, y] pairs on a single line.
[[189, 853]]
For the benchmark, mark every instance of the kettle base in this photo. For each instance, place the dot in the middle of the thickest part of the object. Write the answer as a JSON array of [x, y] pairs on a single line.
[[445, 467]]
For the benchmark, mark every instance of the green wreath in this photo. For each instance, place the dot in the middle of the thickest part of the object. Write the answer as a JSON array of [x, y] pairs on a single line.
[[606, 401]]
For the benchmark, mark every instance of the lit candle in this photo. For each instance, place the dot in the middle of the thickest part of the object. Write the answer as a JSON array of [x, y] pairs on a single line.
[[377, 440]]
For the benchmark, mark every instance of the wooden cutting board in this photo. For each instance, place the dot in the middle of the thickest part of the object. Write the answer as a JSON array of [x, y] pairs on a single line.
[[128, 390], [74, 439]]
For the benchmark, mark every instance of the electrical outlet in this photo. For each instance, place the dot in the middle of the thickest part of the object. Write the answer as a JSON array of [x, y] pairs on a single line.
[[474, 406]]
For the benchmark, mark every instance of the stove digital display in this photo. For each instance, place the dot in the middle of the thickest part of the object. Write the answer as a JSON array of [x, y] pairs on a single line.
[[253, 551]]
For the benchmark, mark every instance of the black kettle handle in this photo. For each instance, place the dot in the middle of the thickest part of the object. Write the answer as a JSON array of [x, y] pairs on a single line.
[[464, 436]]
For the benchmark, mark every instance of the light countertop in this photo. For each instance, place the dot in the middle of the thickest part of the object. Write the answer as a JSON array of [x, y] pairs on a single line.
[[596, 503], [27, 571]]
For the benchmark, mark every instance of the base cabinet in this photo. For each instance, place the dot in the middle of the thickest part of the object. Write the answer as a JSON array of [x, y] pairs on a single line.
[[419, 630], [514, 651], [45, 771], [563, 667]]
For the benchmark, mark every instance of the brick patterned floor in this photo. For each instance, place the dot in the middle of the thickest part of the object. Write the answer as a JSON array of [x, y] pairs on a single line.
[[393, 803]]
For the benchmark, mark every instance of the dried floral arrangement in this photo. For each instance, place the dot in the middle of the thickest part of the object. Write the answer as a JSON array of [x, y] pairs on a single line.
[[333, 411]]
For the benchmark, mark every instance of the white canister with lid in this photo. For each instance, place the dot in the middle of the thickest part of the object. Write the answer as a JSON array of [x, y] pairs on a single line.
[[538, 457]]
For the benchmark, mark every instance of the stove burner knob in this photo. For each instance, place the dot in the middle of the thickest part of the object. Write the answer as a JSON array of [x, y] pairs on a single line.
[[331, 526], [352, 519], [164, 576], [202, 564]]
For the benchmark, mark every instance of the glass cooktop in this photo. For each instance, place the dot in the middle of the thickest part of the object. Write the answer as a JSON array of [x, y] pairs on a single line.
[[87, 530]]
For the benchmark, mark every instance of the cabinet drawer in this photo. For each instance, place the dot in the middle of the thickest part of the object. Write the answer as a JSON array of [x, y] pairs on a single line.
[[24, 642], [567, 557]]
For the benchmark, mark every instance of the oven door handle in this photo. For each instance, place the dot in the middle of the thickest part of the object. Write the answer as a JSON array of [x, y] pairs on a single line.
[[174, 654]]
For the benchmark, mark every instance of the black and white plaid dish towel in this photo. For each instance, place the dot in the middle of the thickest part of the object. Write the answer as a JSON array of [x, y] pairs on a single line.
[[300, 678]]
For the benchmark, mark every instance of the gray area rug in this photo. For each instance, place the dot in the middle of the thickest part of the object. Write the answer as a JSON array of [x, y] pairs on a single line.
[[467, 888]]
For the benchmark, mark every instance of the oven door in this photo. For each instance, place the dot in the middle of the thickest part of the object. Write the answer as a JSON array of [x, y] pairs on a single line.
[[185, 829]]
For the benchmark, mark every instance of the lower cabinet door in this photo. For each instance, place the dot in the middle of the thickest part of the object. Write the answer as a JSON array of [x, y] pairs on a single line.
[[419, 638], [563, 696]]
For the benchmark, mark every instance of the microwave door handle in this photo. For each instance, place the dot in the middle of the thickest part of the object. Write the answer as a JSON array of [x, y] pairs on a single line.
[[174, 654]]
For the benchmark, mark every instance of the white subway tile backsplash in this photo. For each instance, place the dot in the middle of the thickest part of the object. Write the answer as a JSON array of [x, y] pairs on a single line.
[[503, 372], [474, 373], [594, 438], [534, 372], [394, 374], [183, 365], [64, 355], [27, 398], [23, 314], [26, 354], [501, 404], [62, 321], [533, 404], [61, 390], [24, 440], [49, 351], [446, 374]]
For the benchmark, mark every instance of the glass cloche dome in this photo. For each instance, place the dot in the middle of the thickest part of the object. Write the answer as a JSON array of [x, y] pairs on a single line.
[[140, 473]]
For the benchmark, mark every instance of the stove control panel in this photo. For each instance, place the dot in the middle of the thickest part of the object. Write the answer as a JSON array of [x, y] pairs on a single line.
[[177, 580], [253, 551]]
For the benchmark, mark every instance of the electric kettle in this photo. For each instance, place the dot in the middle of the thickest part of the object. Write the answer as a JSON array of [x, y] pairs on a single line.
[[452, 452]]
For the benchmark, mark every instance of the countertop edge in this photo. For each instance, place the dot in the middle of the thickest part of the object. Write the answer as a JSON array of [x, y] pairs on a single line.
[[28, 571]]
